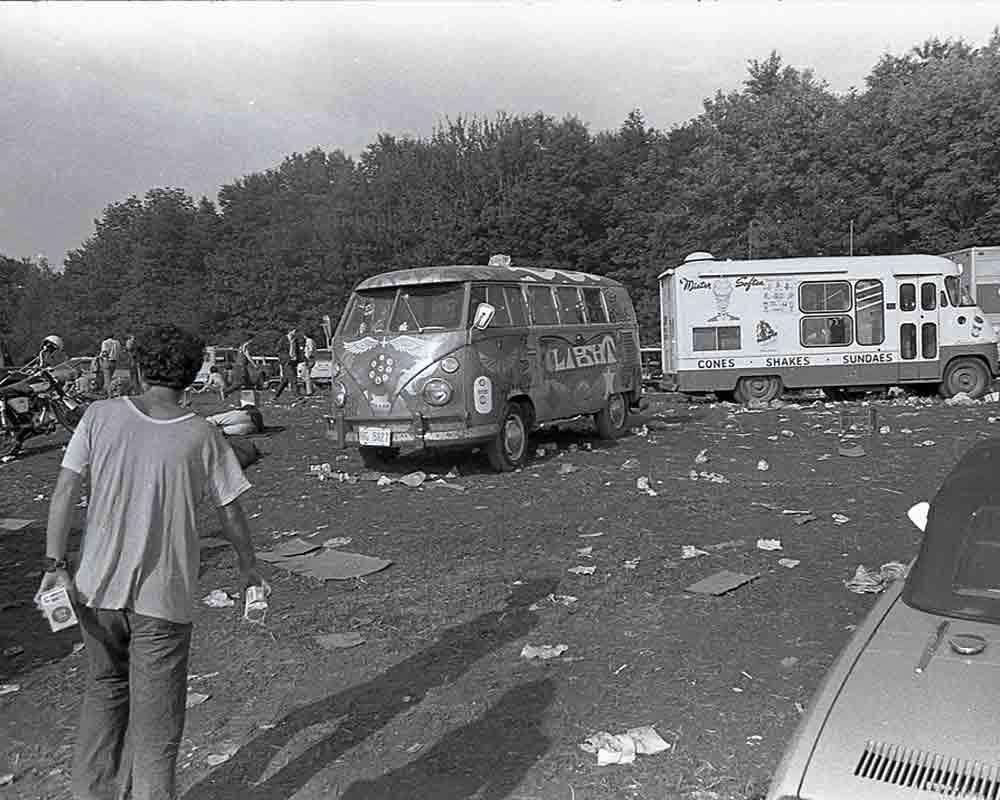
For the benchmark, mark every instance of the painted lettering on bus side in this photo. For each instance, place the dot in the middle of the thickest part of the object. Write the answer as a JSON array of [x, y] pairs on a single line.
[[787, 361], [560, 359], [867, 358], [716, 363], [689, 285]]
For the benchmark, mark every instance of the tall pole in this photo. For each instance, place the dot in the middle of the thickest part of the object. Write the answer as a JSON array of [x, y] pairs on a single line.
[[852, 237], [750, 241]]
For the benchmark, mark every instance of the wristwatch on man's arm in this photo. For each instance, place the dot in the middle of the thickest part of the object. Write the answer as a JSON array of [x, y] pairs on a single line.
[[50, 564]]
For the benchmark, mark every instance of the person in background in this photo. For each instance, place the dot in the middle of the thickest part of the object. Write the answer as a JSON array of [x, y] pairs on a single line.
[[5, 360], [216, 383], [111, 349], [133, 366], [289, 356], [309, 361], [150, 465]]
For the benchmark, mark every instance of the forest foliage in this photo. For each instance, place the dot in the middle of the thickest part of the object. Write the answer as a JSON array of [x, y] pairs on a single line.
[[782, 167]]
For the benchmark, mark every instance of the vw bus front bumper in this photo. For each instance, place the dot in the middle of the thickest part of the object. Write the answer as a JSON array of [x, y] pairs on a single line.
[[418, 431]]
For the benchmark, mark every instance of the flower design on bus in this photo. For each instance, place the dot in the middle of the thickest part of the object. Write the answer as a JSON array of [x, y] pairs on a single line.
[[381, 369]]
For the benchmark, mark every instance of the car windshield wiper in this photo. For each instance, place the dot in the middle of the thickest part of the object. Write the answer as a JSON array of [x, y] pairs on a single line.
[[406, 299]]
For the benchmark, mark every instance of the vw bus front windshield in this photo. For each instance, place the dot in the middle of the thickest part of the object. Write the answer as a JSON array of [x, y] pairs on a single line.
[[957, 295], [405, 309]]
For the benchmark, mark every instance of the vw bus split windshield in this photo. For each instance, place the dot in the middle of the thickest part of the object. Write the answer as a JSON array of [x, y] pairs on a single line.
[[405, 309]]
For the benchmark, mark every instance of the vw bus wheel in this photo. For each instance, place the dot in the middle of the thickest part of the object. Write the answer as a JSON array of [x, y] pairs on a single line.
[[612, 420], [759, 388], [508, 450], [376, 457], [967, 375]]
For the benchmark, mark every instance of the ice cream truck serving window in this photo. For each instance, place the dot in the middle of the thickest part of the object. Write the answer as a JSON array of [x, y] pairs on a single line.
[[479, 356], [746, 330]]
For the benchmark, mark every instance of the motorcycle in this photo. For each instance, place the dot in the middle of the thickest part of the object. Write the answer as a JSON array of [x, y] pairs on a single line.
[[35, 403]]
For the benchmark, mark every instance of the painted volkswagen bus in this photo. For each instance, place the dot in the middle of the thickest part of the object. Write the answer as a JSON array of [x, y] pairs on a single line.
[[749, 329], [479, 356]]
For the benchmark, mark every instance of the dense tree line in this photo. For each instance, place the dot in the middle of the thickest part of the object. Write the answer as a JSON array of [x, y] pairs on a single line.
[[782, 167]]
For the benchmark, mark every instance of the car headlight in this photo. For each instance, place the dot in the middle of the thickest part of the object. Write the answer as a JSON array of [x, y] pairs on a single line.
[[339, 394], [335, 369], [449, 364], [437, 392]]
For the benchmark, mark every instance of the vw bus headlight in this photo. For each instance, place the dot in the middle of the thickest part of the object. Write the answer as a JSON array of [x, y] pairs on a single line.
[[449, 364], [335, 369], [339, 394], [437, 392]]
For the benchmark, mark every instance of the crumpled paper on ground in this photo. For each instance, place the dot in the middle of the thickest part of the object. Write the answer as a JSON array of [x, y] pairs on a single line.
[[217, 598], [866, 581], [622, 748], [543, 651]]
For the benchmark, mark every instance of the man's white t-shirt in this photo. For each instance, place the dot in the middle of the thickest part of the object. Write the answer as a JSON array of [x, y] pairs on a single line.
[[111, 349], [147, 477]]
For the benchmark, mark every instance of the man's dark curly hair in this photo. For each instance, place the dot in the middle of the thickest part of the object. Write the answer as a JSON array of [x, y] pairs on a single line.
[[169, 356]]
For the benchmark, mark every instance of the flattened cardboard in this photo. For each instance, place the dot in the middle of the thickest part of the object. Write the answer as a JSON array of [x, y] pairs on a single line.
[[721, 582], [291, 548], [14, 523]]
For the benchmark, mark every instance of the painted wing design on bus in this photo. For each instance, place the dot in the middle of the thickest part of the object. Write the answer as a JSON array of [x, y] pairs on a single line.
[[361, 345], [411, 345]]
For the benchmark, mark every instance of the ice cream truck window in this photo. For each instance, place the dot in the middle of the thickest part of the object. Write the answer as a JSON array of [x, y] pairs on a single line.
[[726, 337], [907, 297], [958, 296], [928, 296], [823, 296], [827, 331], [869, 311]]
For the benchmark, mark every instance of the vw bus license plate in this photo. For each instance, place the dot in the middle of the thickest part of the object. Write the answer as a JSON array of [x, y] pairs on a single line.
[[375, 437]]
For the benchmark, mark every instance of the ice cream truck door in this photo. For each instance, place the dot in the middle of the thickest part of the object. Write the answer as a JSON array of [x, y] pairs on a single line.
[[917, 321]]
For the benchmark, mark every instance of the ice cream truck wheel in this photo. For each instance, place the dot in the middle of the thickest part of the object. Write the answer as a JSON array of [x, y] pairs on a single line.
[[969, 375], [508, 450], [761, 388]]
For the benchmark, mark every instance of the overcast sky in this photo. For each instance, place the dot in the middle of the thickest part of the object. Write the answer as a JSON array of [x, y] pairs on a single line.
[[100, 101]]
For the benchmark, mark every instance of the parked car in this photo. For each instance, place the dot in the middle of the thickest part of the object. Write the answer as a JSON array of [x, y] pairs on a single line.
[[909, 708]]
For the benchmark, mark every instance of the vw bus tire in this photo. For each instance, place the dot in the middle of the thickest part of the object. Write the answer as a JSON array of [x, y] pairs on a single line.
[[967, 375], [758, 388], [376, 457], [508, 450], [612, 420]]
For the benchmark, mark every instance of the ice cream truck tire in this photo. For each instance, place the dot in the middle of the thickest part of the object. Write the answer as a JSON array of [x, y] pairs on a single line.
[[761, 388], [508, 449], [612, 420], [375, 457], [968, 375]]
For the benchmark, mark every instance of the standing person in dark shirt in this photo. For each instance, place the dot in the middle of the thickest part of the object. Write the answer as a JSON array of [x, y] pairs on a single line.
[[289, 356]]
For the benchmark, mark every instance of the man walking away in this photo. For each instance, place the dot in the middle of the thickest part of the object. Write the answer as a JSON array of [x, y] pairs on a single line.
[[289, 356], [309, 354], [133, 365], [110, 351], [150, 463]]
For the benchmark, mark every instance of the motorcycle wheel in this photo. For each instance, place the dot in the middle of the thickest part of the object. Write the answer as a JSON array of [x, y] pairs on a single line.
[[10, 442], [68, 417]]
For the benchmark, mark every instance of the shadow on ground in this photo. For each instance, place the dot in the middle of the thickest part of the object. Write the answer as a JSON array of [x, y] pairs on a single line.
[[363, 710]]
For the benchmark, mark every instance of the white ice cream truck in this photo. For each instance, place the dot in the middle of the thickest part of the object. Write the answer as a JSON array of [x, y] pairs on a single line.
[[749, 329]]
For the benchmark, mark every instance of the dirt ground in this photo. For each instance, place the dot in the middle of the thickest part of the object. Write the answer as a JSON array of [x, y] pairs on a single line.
[[438, 702]]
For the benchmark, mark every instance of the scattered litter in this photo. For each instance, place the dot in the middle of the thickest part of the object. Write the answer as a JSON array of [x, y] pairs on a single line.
[[582, 570], [413, 748], [961, 399], [195, 699], [789, 661], [39, 498], [631, 563], [768, 544], [413, 479], [925, 443], [711, 477], [885, 430], [384, 480], [763, 466], [720, 583], [690, 551], [789, 562], [14, 523], [13, 650], [839, 519], [642, 484], [768, 506], [702, 457], [540, 452], [567, 469], [852, 451], [7, 780], [227, 753], [586, 552], [795, 512], [591, 535], [9, 688], [218, 598], [726, 545], [204, 676], [632, 463], [623, 747], [543, 651], [556, 599], [337, 541], [788, 434], [993, 420], [867, 581], [643, 431], [339, 641], [456, 486], [78, 647], [805, 519]]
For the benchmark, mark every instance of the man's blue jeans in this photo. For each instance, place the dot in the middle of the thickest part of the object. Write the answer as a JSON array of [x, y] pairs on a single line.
[[136, 682]]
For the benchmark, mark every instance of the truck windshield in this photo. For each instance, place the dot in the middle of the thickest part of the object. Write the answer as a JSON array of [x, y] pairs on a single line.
[[406, 309], [957, 295]]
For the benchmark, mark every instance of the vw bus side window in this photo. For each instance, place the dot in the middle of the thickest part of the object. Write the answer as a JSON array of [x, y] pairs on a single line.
[[515, 306], [507, 301], [726, 337], [869, 311], [570, 305], [826, 331], [907, 297], [596, 313], [824, 296], [369, 314], [542, 305], [434, 307]]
